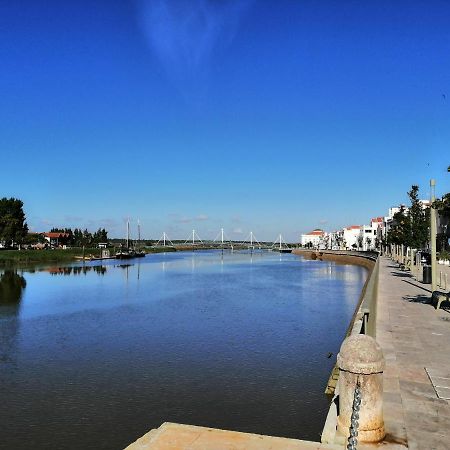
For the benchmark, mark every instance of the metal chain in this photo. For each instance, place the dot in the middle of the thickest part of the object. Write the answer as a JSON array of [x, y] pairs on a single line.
[[352, 439]]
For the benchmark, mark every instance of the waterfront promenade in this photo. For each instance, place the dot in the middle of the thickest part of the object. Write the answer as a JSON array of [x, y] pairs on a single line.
[[415, 339]]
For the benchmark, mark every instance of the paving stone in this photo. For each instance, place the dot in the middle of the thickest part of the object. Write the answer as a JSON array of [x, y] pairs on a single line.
[[413, 335], [443, 393], [171, 436]]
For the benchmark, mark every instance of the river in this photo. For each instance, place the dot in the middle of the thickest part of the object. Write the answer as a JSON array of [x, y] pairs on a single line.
[[94, 356]]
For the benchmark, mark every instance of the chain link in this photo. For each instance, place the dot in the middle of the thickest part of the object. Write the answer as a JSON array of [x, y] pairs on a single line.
[[353, 438]]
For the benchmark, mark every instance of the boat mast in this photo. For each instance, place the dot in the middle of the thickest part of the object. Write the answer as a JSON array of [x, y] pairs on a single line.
[[139, 233], [128, 233]]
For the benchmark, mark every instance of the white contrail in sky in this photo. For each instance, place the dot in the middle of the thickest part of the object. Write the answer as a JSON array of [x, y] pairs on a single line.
[[184, 34]]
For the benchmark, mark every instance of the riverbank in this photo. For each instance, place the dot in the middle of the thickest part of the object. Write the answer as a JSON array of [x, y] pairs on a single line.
[[18, 259], [365, 259], [24, 258]]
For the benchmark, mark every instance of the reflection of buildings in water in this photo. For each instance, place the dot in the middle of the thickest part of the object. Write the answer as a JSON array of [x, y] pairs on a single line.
[[76, 270], [12, 286], [351, 278], [345, 272]]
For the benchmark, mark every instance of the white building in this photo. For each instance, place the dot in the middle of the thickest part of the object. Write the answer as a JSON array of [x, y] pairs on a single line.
[[314, 239], [335, 240], [350, 237], [371, 234]]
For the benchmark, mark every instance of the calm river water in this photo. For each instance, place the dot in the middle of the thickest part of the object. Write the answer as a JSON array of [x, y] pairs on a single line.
[[93, 357]]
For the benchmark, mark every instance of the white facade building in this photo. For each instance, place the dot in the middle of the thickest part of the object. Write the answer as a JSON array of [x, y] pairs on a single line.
[[350, 237], [370, 234], [314, 239]]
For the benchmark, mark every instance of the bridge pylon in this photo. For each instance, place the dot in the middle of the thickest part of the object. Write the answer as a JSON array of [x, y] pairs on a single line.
[[164, 238], [192, 237], [252, 239], [280, 243], [223, 239]]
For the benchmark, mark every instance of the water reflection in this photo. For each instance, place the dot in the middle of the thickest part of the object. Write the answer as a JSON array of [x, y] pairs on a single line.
[[76, 270], [11, 287], [216, 339]]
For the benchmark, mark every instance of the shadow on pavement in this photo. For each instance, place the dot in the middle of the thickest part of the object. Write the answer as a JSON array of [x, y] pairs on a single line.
[[401, 274], [424, 299], [417, 286]]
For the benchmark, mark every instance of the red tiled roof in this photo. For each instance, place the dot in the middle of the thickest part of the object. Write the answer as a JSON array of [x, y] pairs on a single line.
[[354, 227], [316, 233], [56, 235], [377, 219]]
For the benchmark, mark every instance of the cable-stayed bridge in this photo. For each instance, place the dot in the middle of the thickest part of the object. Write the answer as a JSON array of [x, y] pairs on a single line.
[[222, 241]]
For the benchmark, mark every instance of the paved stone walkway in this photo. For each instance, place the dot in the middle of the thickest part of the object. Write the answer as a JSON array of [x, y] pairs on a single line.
[[416, 343]]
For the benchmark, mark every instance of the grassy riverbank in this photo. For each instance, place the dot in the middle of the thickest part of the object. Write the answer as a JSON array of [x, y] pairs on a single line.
[[21, 257]]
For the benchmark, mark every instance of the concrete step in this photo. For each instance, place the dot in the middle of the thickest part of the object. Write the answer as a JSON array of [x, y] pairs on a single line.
[[173, 436]]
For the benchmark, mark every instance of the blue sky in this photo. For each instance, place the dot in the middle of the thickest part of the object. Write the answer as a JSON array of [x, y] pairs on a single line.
[[248, 115]]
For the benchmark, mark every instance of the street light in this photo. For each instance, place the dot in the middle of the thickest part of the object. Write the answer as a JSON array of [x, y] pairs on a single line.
[[433, 236]]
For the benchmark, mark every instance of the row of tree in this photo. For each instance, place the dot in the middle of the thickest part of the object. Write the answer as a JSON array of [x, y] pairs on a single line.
[[14, 229], [410, 225], [80, 238]]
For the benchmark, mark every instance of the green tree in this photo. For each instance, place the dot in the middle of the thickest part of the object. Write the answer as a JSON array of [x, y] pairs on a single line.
[[442, 206], [418, 223], [377, 243], [13, 227], [101, 235], [359, 240], [77, 237], [87, 237], [400, 229]]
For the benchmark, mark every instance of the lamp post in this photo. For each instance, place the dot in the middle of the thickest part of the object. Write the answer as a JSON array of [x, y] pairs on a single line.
[[433, 236]]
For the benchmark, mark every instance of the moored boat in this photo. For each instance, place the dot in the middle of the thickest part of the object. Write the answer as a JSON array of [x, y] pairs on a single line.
[[126, 252]]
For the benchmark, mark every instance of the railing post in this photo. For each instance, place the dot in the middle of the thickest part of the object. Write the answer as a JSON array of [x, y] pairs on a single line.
[[361, 362]]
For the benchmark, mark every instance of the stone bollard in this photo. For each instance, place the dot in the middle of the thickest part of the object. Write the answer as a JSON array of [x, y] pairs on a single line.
[[361, 359]]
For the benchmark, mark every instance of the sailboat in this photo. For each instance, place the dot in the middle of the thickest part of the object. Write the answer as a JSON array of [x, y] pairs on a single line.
[[139, 253], [126, 252]]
